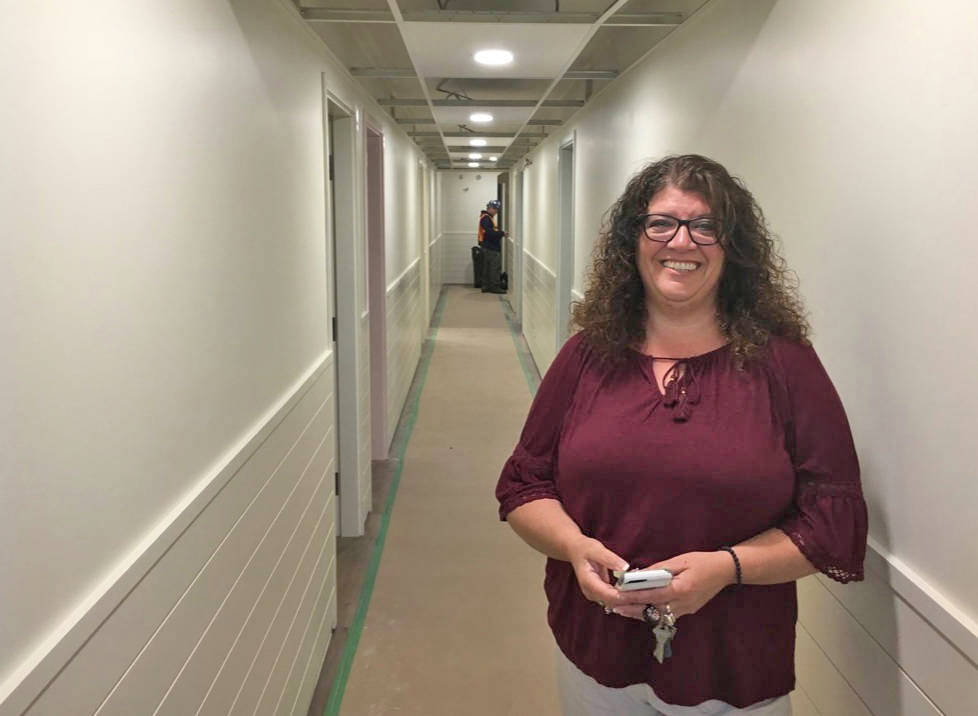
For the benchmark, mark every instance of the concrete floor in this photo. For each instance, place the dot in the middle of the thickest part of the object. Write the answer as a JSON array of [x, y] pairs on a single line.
[[457, 618]]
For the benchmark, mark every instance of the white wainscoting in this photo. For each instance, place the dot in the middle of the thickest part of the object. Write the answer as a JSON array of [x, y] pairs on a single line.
[[539, 317], [363, 379], [865, 649], [515, 280], [436, 269], [405, 324], [457, 256], [509, 265], [229, 608]]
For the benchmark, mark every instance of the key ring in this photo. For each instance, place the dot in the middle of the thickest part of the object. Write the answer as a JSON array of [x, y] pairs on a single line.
[[651, 615]]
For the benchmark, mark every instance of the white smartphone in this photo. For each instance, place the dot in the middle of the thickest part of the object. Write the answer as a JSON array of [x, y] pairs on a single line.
[[642, 579]]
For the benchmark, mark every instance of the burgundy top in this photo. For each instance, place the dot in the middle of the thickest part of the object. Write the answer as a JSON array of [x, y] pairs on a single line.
[[724, 455]]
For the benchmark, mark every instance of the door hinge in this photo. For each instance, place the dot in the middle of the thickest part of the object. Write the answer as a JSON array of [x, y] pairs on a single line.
[[334, 329], [337, 483], [332, 169]]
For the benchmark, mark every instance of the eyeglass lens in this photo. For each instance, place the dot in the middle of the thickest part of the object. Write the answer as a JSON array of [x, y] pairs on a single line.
[[662, 227]]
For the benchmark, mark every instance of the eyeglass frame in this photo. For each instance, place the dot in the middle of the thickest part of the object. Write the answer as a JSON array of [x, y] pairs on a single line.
[[680, 223]]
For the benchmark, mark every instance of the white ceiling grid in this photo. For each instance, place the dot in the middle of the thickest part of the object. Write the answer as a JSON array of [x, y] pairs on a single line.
[[416, 58]]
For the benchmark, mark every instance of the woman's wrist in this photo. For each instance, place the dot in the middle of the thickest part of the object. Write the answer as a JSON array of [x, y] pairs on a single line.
[[572, 544], [733, 575]]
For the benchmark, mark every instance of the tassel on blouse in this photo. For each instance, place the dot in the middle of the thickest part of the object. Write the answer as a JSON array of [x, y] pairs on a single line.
[[682, 390]]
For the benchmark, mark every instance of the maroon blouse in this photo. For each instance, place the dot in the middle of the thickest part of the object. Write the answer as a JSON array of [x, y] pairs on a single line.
[[725, 454]]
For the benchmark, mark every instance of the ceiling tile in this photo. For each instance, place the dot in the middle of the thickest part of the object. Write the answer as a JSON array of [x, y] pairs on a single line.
[[364, 44], [482, 88], [391, 87], [346, 4], [597, 6], [490, 141], [616, 48], [502, 116], [639, 7], [445, 49]]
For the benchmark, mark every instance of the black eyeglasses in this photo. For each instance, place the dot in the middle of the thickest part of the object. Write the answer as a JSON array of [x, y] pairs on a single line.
[[703, 230]]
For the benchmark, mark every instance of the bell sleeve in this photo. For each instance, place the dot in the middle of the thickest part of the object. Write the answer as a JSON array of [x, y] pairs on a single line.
[[828, 518], [529, 472]]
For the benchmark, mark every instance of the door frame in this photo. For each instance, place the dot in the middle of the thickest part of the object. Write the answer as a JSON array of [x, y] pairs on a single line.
[[376, 286], [340, 173], [503, 220], [566, 181], [518, 223], [424, 231]]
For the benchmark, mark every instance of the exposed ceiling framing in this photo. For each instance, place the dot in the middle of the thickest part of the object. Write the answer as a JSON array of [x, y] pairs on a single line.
[[415, 58], [658, 19]]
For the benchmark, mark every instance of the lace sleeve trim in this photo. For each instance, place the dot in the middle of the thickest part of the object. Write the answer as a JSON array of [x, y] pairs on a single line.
[[822, 561], [813, 518]]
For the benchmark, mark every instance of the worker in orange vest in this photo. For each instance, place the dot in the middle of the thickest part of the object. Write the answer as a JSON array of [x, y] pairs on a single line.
[[490, 239]]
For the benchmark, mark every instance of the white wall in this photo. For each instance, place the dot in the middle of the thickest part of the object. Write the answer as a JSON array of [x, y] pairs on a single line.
[[405, 315], [463, 195], [853, 124], [541, 234], [402, 196], [166, 362], [435, 247]]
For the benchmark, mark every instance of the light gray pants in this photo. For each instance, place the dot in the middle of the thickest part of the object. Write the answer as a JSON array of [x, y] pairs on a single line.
[[580, 695]]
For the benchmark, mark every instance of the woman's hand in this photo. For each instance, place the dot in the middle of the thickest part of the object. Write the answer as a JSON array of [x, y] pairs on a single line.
[[592, 562], [697, 577]]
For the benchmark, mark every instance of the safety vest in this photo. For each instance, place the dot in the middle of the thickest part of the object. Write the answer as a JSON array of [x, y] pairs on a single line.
[[482, 231]]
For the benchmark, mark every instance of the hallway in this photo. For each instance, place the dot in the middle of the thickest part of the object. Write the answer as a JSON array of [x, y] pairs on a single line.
[[237, 315], [456, 620], [439, 628]]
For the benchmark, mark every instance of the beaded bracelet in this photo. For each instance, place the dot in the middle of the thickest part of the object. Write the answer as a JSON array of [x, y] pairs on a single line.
[[736, 564]]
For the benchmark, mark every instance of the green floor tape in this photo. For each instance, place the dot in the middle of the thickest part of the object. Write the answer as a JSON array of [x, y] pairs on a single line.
[[529, 366], [401, 438]]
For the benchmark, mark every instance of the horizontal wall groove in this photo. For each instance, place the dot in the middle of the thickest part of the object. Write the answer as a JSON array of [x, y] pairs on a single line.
[[318, 597], [295, 615], [32, 678], [321, 482], [285, 598], [139, 688], [311, 672], [894, 658], [951, 622]]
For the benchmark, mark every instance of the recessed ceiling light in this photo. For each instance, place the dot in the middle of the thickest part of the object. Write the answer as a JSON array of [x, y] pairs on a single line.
[[480, 117], [477, 142], [475, 155], [474, 165], [493, 58], [493, 159]]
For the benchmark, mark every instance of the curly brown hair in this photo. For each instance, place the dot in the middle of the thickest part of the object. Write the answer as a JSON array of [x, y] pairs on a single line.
[[757, 296]]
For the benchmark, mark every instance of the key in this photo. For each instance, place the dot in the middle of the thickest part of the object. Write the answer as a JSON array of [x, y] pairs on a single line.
[[664, 634]]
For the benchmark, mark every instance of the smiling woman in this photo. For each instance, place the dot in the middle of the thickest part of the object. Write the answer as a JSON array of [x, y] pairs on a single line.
[[755, 292], [679, 259], [688, 427]]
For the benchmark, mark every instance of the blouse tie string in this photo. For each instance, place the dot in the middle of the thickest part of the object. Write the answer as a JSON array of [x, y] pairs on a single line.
[[682, 390]]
